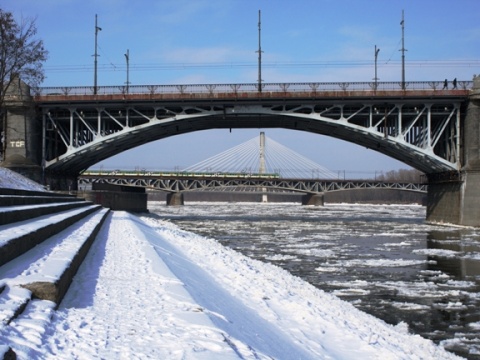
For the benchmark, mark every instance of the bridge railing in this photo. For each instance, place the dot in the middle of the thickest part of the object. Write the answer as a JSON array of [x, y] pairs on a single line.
[[312, 87]]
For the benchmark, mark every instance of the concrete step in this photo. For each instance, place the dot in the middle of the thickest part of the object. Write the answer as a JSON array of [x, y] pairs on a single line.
[[19, 237], [18, 200], [12, 214], [21, 192], [49, 277], [35, 283]]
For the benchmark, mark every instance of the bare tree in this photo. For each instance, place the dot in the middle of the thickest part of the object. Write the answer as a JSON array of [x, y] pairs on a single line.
[[21, 56], [402, 175]]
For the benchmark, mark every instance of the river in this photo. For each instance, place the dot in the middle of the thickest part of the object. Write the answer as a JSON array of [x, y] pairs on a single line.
[[384, 259]]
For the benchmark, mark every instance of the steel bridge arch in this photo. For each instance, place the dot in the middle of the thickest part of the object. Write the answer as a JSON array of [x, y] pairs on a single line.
[[422, 132]]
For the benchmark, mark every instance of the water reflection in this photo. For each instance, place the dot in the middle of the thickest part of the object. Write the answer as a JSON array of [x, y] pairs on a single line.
[[455, 261]]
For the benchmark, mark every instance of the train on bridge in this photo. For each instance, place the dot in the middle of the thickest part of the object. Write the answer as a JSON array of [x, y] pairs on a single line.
[[181, 174]]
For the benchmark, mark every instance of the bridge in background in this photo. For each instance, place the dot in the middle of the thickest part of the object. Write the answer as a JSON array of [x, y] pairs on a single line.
[[177, 183], [431, 129]]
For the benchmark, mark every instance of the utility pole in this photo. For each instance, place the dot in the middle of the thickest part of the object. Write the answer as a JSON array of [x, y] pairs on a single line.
[[375, 79], [403, 50], [259, 52], [127, 57], [95, 57]]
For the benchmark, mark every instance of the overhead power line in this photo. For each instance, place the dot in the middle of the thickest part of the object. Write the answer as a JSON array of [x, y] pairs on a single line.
[[229, 65]]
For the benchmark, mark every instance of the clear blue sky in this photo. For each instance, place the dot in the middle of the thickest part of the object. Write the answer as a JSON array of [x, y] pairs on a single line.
[[214, 41]]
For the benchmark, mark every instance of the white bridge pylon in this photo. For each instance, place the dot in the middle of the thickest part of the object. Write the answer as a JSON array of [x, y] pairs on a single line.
[[262, 155]]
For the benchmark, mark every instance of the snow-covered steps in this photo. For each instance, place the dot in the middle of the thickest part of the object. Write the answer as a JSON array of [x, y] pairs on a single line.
[[50, 276], [22, 192], [19, 237], [11, 214], [12, 302], [24, 321], [16, 200], [15, 197], [33, 284]]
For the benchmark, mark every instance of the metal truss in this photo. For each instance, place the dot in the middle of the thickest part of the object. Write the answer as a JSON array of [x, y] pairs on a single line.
[[423, 134], [421, 130], [171, 184]]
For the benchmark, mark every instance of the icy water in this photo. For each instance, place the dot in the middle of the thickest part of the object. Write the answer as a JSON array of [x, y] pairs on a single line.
[[384, 259]]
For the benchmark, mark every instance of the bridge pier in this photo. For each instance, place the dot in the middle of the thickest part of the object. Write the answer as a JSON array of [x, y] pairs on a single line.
[[313, 199], [455, 197], [175, 199], [21, 132]]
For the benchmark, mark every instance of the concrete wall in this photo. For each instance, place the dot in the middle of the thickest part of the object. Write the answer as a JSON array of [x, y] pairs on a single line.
[[117, 200], [125, 198]]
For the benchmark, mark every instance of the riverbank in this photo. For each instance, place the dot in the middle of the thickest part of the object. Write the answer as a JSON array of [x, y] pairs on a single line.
[[148, 289]]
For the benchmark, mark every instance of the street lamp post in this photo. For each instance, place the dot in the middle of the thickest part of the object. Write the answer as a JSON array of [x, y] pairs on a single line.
[[402, 23], [97, 29], [376, 56], [127, 57], [259, 52]]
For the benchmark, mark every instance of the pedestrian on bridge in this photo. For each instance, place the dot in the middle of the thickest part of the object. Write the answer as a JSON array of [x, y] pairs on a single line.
[[454, 83], [445, 84]]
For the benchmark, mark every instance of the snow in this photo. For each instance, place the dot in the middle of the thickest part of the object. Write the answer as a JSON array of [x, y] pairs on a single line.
[[54, 255], [148, 290], [21, 228], [12, 180]]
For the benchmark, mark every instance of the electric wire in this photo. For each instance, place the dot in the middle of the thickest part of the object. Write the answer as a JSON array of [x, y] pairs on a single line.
[[215, 66]]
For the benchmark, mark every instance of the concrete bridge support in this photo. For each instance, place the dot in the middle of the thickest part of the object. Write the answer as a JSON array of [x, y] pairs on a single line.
[[175, 198], [455, 198], [313, 199], [21, 132]]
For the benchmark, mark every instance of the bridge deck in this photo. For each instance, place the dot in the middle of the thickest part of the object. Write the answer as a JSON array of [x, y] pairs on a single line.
[[250, 91]]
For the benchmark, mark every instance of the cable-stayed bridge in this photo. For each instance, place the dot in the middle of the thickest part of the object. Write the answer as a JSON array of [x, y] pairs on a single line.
[[262, 155], [260, 164]]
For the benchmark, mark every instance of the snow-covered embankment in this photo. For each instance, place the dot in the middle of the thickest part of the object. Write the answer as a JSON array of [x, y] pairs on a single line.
[[151, 290]]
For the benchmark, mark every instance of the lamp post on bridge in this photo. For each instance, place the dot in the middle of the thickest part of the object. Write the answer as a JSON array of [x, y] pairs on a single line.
[[402, 23], [97, 29], [259, 52], [375, 79], [127, 57]]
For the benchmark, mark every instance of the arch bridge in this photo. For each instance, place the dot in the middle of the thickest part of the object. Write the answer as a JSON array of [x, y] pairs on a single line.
[[419, 125]]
